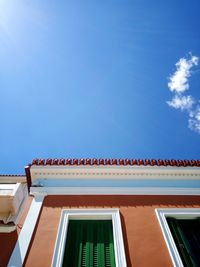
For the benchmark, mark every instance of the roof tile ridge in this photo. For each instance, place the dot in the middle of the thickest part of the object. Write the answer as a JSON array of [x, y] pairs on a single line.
[[118, 162]]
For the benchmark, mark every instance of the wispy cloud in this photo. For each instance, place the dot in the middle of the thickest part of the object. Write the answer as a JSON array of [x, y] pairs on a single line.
[[194, 120], [179, 84], [179, 80], [181, 102]]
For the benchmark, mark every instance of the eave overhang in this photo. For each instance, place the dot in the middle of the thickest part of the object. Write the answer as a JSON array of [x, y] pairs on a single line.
[[147, 180]]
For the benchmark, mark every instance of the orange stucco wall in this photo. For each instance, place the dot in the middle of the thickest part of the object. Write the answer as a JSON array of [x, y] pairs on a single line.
[[8, 240], [144, 243]]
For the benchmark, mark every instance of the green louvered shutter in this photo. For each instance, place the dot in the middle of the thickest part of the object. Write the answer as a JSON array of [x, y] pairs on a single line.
[[89, 244], [186, 234]]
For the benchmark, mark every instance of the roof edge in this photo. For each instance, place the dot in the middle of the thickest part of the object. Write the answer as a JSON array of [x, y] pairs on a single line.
[[116, 162]]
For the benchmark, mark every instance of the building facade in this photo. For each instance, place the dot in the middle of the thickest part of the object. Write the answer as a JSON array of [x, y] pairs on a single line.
[[107, 213]]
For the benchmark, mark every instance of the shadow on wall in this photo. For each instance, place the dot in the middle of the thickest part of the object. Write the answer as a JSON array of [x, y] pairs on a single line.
[[86, 201], [128, 259], [7, 244]]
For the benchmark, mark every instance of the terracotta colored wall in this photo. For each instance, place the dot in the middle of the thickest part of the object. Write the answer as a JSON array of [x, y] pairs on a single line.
[[8, 240], [144, 243]]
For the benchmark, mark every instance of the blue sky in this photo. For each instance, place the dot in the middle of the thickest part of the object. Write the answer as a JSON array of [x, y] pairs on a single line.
[[92, 79]]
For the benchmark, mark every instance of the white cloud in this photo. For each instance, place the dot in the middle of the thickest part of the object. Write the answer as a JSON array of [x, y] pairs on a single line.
[[179, 80], [178, 85], [194, 120], [181, 102]]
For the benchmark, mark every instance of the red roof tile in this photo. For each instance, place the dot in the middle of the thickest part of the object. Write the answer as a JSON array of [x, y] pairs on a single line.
[[120, 162]]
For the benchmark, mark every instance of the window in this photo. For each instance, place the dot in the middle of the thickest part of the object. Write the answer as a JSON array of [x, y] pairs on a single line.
[[89, 243], [186, 235], [89, 238], [181, 229]]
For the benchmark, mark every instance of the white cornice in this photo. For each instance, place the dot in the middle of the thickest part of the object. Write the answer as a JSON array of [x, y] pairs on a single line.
[[12, 200], [114, 172], [9, 179]]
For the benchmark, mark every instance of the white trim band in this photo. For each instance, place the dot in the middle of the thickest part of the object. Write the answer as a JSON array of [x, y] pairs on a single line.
[[115, 191]]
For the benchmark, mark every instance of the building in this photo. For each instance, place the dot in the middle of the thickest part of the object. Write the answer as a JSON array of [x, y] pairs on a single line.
[[105, 212]]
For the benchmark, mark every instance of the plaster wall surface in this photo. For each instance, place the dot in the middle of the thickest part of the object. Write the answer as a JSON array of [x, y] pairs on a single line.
[[8, 240], [143, 239]]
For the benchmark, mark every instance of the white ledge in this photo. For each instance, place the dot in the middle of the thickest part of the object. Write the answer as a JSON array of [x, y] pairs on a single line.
[[114, 191]]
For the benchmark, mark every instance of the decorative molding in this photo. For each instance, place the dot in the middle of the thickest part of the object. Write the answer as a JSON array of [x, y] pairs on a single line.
[[24, 239], [176, 213], [113, 172], [114, 191], [90, 214]]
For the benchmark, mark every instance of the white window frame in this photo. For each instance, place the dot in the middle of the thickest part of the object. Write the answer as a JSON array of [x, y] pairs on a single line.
[[162, 214], [89, 214]]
